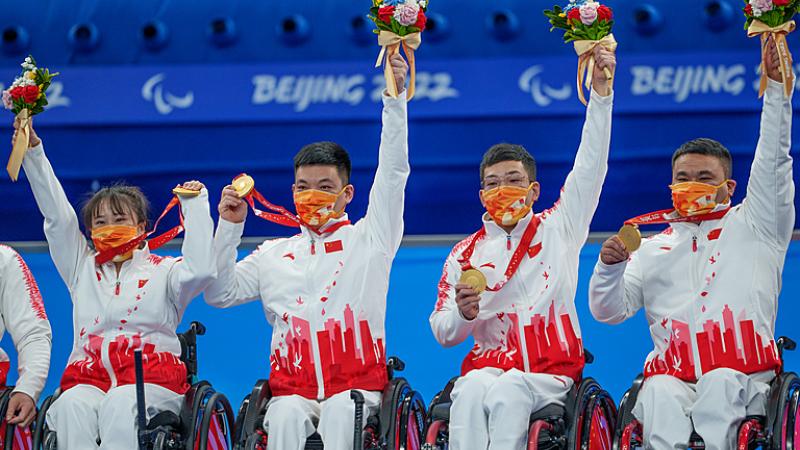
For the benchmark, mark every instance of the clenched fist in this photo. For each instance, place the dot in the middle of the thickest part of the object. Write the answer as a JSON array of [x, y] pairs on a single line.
[[613, 251], [400, 69], [468, 301], [231, 207]]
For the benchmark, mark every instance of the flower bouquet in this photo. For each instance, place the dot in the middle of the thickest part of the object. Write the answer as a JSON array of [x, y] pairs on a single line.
[[586, 24], [773, 19], [25, 98], [399, 23]]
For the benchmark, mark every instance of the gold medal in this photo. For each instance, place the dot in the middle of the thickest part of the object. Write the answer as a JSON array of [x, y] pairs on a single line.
[[475, 279], [631, 237], [243, 185], [186, 193]]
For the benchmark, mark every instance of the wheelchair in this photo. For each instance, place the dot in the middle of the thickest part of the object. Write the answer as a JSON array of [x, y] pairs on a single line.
[[205, 419], [11, 436], [586, 421], [775, 431], [397, 426]]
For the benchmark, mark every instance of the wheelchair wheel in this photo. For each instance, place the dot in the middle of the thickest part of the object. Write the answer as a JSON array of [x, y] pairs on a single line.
[[594, 417], [255, 442], [537, 428], [782, 412], [412, 422], [216, 423], [750, 435]]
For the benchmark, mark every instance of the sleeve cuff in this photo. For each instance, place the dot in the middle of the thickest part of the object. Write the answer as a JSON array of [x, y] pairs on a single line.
[[608, 100], [188, 201], [229, 231], [774, 90], [388, 100], [604, 269], [27, 391]]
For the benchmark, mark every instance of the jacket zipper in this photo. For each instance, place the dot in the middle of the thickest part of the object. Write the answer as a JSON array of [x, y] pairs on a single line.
[[508, 242], [314, 344], [313, 247], [694, 244]]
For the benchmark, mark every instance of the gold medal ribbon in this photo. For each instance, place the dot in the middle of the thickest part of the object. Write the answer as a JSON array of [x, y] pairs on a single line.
[[390, 45], [586, 62], [23, 141], [758, 28]]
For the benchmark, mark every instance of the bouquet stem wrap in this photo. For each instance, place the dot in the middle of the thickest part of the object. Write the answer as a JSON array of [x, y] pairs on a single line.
[[390, 45], [586, 63], [21, 146], [758, 28]]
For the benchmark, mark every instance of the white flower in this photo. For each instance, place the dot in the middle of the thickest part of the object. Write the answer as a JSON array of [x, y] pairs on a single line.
[[423, 4]]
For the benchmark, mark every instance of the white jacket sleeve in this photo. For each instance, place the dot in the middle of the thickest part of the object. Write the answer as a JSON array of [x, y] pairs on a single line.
[[68, 246], [24, 317], [449, 327], [236, 283], [581, 192], [190, 275], [384, 218], [615, 291], [769, 206]]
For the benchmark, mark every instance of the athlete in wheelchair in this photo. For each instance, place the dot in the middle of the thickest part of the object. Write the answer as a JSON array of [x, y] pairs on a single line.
[[776, 429], [204, 421], [585, 420], [397, 424], [22, 314]]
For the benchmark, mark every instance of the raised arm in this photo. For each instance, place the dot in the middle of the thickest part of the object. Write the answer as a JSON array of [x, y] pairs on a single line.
[[615, 289], [236, 283], [448, 323], [581, 192], [189, 276], [24, 317], [769, 206], [68, 246], [384, 218]]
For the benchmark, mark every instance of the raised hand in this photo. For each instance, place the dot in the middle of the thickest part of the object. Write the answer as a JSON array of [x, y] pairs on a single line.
[[604, 59], [400, 69], [34, 138], [468, 301], [772, 62], [232, 208], [613, 251], [193, 185]]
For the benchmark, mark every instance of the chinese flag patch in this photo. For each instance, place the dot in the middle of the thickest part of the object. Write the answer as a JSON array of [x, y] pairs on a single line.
[[333, 246], [714, 234], [533, 251], [142, 283]]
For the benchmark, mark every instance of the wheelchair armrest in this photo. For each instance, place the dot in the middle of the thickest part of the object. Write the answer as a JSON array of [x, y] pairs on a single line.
[[165, 419], [440, 411], [588, 357]]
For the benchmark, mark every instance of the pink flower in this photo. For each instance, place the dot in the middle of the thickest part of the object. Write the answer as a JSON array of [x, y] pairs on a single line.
[[589, 13], [7, 100], [406, 14], [761, 6]]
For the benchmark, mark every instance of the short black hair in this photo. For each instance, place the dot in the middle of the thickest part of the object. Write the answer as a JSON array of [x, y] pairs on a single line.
[[709, 147], [121, 198], [325, 154], [509, 152]]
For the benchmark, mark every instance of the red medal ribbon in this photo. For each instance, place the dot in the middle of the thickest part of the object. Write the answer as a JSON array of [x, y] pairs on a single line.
[[106, 256], [659, 217], [516, 258]]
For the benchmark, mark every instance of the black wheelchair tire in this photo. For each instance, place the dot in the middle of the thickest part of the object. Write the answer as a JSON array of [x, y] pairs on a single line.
[[50, 442], [208, 414], [252, 442]]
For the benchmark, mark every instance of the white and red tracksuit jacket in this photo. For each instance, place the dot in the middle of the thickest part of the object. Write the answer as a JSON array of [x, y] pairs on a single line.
[[325, 294], [22, 314], [710, 290], [530, 323], [139, 309]]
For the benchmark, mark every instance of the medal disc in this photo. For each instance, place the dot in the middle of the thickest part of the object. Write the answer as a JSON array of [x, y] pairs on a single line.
[[631, 237], [183, 192], [243, 185], [475, 278]]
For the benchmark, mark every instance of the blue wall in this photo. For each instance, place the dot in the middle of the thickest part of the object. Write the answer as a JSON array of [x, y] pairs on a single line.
[[235, 352]]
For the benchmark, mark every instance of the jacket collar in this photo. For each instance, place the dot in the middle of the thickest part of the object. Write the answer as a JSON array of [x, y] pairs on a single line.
[[495, 230], [329, 228]]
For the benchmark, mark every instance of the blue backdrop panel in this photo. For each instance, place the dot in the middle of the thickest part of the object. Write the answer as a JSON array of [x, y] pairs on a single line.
[[235, 352], [159, 125]]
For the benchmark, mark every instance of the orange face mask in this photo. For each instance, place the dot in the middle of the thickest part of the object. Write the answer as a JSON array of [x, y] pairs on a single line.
[[315, 208], [692, 198], [110, 236], [507, 204]]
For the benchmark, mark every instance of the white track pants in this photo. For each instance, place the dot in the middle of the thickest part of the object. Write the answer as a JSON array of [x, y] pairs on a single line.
[[83, 414], [667, 407], [491, 408], [290, 419]]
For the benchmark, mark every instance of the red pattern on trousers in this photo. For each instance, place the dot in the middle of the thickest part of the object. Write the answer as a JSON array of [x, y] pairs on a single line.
[[161, 368], [347, 362]]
